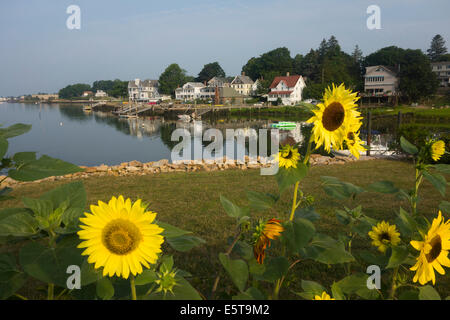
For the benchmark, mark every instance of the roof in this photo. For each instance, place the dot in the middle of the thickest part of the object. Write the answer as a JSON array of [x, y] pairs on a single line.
[[150, 83], [386, 68], [242, 80], [290, 81], [218, 79], [280, 92], [194, 84]]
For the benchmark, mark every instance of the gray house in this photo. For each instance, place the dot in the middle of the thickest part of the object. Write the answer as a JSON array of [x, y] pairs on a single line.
[[380, 81], [442, 70]]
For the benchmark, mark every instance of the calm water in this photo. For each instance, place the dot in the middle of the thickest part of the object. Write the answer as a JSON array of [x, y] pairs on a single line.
[[68, 133]]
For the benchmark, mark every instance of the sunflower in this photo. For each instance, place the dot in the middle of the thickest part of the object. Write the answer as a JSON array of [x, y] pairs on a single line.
[[354, 143], [335, 117], [384, 235], [288, 156], [324, 296], [265, 232], [120, 237], [437, 150], [433, 251]]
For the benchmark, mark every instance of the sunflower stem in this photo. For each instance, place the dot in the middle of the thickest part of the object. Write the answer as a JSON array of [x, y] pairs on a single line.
[[418, 181], [133, 288], [294, 201], [50, 291], [394, 284]]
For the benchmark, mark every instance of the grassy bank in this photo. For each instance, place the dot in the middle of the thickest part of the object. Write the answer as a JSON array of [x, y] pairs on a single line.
[[191, 201]]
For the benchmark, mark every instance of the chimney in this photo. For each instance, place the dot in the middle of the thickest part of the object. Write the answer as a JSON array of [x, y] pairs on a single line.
[[243, 73], [287, 74]]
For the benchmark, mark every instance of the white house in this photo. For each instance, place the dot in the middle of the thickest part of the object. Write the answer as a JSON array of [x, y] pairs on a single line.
[[380, 81], [143, 90], [242, 84], [288, 88], [191, 91], [101, 94]]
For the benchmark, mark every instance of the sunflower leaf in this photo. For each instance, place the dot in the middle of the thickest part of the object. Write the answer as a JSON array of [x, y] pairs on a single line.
[[105, 289], [408, 146], [437, 180], [399, 256], [445, 206], [237, 269], [428, 293], [287, 177]]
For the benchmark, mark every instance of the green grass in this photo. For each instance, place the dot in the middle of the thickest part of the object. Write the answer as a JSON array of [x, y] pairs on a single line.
[[191, 201], [422, 112]]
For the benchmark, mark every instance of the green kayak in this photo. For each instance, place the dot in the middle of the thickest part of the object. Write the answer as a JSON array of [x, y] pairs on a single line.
[[284, 124]]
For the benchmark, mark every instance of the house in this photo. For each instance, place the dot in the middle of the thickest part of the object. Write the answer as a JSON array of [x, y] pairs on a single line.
[[193, 91], [442, 71], [228, 95], [143, 90], [380, 81], [242, 84], [287, 88], [101, 94], [218, 82], [87, 94], [44, 96]]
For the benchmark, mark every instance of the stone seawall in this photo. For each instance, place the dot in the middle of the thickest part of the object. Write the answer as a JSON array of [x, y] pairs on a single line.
[[163, 166]]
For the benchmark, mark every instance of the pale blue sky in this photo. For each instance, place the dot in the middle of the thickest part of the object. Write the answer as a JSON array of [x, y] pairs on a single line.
[[140, 38]]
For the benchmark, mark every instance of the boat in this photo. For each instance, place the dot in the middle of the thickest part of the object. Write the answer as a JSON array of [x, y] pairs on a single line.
[[286, 125], [87, 108]]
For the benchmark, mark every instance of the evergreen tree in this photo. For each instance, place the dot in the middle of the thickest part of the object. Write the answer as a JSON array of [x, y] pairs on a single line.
[[172, 78], [210, 71], [437, 48]]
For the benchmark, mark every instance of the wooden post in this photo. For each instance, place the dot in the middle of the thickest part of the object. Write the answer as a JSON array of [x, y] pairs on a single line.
[[399, 120], [369, 131]]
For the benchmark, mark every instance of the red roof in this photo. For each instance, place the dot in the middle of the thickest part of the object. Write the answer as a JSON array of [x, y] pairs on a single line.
[[289, 80], [280, 92]]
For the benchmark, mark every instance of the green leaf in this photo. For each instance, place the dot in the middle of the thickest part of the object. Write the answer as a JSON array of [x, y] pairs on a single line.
[[41, 208], [243, 249], [166, 264], [337, 292], [408, 146], [23, 157], [428, 293], [297, 234], [371, 258], [313, 288], [383, 187], [399, 256], [14, 130], [73, 195], [17, 222], [237, 269], [405, 223], [326, 250], [182, 291], [339, 189], [357, 284], [261, 201], [185, 243], [275, 268], [437, 180], [146, 277], [3, 147], [42, 168], [445, 206], [171, 231], [287, 177], [251, 293], [233, 210], [444, 168], [11, 278], [4, 193], [409, 295], [308, 213], [105, 289]]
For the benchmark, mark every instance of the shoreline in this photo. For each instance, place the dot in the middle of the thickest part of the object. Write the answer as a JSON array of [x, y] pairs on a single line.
[[135, 167]]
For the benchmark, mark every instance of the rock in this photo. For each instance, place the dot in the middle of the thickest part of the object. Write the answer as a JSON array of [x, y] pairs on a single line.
[[102, 168], [135, 163], [91, 170], [160, 163], [133, 169]]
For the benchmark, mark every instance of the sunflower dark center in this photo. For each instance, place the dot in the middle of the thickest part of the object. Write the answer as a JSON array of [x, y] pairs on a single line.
[[436, 248], [385, 236], [333, 116], [121, 236]]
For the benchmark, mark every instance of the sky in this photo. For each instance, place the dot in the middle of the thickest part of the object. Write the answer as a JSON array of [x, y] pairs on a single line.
[[128, 39]]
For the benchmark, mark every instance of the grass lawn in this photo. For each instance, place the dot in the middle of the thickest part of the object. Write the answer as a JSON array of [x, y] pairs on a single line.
[[191, 201]]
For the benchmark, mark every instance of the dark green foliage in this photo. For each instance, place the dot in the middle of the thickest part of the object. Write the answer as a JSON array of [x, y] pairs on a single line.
[[172, 78], [210, 71], [74, 90], [437, 48]]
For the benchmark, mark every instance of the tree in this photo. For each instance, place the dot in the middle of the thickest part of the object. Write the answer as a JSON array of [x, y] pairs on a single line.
[[416, 78], [210, 71], [74, 90], [119, 89], [172, 78], [270, 64], [437, 48]]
